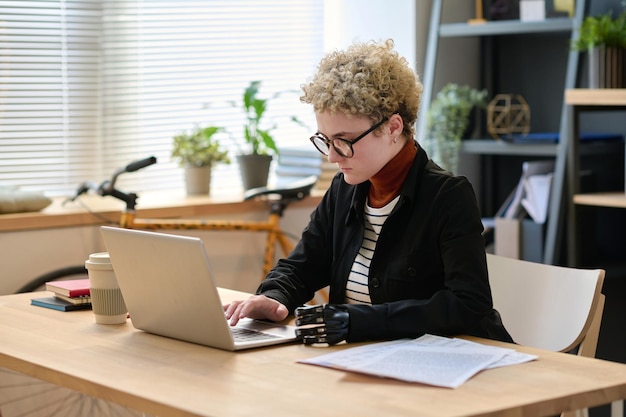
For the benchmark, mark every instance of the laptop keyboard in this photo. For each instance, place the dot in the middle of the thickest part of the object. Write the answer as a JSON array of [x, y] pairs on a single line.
[[243, 335]]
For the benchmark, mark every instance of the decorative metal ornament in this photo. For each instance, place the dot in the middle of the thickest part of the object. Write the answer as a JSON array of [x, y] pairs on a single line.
[[508, 114]]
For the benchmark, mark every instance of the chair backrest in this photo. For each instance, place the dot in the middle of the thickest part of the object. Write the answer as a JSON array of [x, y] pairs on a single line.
[[546, 306]]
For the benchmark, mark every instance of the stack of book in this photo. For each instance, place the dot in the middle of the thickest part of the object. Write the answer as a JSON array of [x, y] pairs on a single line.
[[328, 171], [295, 164], [67, 295]]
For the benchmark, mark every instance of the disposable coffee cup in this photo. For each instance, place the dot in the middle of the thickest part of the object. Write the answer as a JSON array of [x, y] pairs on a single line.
[[107, 302]]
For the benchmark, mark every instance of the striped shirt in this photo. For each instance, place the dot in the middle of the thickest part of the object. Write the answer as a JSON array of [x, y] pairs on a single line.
[[357, 290]]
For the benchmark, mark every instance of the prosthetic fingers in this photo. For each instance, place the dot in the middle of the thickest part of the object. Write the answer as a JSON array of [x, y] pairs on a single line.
[[324, 323]]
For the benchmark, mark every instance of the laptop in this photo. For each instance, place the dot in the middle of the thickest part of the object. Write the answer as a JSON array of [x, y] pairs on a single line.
[[169, 290]]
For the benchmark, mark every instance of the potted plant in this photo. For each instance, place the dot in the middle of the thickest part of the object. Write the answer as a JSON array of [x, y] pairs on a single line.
[[449, 121], [254, 161], [604, 39], [197, 151]]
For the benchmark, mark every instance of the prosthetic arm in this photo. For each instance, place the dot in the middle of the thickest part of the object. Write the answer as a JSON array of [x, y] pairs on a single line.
[[324, 323]]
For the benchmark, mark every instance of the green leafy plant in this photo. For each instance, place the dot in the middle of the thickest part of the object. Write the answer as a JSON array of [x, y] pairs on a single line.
[[602, 30], [199, 147], [448, 119], [260, 140], [449, 113]]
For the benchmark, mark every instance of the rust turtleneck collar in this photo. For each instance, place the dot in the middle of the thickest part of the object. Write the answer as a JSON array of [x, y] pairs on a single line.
[[387, 182]]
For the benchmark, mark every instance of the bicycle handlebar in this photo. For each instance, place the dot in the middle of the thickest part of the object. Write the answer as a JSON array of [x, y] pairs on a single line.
[[108, 186], [142, 163], [295, 191]]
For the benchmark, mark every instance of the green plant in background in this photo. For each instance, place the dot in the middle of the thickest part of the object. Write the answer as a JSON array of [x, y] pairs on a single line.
[[261, 141], [603, 30], [199, 148], [604, 39], [449, 113], [448, 119]]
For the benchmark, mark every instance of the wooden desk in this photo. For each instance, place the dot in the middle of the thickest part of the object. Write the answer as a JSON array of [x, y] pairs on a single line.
[[170, 378], [581, 100]]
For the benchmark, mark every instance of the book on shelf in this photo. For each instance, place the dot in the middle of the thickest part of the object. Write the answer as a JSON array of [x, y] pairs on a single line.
[[530, 193], [294, 162], [308, 152], [328, 172], [553, 137], [81, 299], [296, 171], [70, 287], [536, 200], [56, 303], [312, 161]]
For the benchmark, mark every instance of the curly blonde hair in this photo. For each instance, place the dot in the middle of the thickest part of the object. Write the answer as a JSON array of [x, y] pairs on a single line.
[[367, 79]]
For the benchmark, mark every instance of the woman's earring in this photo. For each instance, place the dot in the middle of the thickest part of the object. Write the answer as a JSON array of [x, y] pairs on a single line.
[[395, 140]]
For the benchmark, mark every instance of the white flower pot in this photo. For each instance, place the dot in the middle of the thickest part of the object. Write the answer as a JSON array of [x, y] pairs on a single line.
[[198, 180]]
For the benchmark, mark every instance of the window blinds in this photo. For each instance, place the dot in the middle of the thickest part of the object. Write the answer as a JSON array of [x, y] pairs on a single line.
[[88, 86], [48, 93]]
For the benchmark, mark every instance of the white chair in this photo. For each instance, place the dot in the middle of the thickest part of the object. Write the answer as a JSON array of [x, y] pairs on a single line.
[[549, 307]]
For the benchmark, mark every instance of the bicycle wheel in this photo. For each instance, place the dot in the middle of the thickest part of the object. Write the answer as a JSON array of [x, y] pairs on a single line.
[[25, 396], [57, 274]]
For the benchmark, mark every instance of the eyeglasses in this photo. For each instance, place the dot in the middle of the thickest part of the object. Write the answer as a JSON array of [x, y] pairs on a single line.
[[342, 146]]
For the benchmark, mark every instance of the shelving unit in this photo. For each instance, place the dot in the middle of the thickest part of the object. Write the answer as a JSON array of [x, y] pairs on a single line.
[[578, 101], [494, 147], [505, 27], [559, 151], [614, 199]]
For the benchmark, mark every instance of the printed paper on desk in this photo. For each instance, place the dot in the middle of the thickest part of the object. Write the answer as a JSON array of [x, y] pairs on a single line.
[[430, 361], [513, 358]]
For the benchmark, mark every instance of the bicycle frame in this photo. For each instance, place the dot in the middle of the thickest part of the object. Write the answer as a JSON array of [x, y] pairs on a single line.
[[271, 226], [282, 198]]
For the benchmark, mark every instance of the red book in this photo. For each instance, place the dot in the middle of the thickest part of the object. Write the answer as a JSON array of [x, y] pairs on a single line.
[[70, 287]]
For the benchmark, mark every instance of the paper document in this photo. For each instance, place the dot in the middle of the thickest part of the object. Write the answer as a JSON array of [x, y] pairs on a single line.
[[513, 206], [429, 359], [536, 201]]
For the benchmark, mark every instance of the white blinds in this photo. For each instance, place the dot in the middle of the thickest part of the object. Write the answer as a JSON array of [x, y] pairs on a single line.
[[48, 92], [88, 86]]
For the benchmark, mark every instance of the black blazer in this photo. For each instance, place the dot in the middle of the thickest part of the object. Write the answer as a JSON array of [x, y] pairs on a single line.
[[429, 270]]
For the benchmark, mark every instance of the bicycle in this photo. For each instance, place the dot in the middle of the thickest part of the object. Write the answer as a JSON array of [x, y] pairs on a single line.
[[277, 198]]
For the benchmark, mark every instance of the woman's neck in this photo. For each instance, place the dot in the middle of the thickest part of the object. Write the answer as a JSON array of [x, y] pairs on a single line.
[[387, 182]]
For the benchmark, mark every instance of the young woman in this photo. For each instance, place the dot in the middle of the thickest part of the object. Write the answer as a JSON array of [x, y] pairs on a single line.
[[397, 239]]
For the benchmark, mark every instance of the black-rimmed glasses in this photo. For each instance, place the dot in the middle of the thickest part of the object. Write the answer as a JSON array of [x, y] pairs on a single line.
[[342, 146]]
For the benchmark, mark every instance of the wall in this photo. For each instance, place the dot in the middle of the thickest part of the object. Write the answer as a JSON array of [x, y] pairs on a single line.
[[236, 257], [348, 20]]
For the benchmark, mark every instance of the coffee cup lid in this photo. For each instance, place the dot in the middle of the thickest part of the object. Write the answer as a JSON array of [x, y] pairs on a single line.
[[99, 259]]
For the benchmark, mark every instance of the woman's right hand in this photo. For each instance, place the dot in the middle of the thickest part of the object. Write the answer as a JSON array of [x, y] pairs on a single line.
[[255, 307]]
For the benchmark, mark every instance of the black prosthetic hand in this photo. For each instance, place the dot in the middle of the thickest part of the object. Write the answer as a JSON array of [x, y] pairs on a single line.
[[324, 323]]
